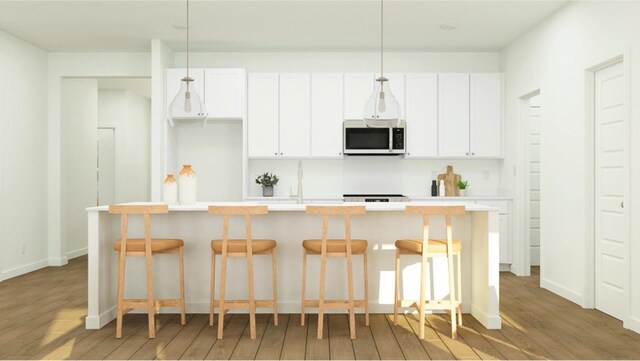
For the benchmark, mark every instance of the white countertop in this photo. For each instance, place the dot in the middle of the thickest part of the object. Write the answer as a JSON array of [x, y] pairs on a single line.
[[293, 207]]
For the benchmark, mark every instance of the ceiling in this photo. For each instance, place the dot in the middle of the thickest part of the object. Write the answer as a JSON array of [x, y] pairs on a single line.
[[265, 25]]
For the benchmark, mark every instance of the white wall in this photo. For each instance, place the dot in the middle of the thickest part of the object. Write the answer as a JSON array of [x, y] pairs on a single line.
[[161, 140], [553, 57], [23, 157], [130, 115], [76, 65], [79, 115]]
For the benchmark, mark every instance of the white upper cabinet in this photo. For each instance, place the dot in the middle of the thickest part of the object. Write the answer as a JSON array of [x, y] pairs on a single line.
[[397, 84], [453, 115], [263, 115], [358, 87], [173, 81], [326, 115], [422, 115], [295, 115], [225, 91], [486, 115]]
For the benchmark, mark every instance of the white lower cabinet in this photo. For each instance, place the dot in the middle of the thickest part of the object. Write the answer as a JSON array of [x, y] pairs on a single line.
[[506, 248]]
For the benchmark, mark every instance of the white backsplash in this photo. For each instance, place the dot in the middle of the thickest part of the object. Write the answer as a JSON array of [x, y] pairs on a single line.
[[333, 178]]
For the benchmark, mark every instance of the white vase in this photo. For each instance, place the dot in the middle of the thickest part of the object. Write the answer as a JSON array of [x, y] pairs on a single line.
[[463, 192], [170, 190], [188, 185]]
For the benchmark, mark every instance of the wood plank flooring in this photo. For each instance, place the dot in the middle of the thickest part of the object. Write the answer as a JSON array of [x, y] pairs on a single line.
[[42, 317]]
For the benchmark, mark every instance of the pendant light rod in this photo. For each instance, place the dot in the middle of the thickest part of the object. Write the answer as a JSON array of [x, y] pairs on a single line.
[[188, 28], [381, 38]]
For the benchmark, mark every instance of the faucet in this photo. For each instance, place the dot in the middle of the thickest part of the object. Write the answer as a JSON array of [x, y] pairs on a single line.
[[298, 194]]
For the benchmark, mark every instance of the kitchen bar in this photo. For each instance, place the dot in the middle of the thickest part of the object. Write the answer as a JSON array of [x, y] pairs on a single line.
[[382, 225]]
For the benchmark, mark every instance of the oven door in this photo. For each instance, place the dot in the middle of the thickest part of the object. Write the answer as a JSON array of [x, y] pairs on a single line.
[[362, 140]]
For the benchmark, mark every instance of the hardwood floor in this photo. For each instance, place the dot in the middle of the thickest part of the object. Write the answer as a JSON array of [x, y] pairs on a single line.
[[42, 317]]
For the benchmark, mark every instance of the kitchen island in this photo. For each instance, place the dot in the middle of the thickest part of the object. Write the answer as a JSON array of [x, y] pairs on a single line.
[[288, 224]]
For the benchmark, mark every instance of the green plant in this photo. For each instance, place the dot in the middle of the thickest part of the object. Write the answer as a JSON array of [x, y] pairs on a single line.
[[463, 184], [267, 179]]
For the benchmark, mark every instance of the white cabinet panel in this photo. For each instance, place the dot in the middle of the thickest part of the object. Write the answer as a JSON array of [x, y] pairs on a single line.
[[505, 242], [486, 115], [173, 81], [326, 115], [453, 120], [263, 115], [224, 96], [358, 87], [422, 115], [295, 115]]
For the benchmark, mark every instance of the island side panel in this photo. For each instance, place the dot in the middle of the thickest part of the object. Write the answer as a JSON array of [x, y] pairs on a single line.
[[486, 269]]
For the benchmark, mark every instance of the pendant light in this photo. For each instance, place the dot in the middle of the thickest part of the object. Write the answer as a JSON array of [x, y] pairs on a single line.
[[382, 107], [187, 104]]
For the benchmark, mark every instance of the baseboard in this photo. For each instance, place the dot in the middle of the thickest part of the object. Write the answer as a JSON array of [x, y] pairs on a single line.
[[490, 322], [562, 291], [633, 324], [505, 267], [18, 271], [77, 253], [97, 322], [57, 262]]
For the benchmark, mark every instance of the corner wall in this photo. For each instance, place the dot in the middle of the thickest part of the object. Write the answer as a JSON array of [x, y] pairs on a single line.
[[553, 57], [23, 157]]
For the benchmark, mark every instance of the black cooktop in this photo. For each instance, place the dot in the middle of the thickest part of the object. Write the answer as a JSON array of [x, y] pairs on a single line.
[[372, 195]]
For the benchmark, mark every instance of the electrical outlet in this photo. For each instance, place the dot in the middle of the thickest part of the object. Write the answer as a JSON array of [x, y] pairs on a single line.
[[24, 248]]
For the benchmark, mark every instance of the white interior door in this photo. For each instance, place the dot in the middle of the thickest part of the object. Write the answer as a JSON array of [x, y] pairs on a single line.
[[534, 179], [106, 166], [611, 191]]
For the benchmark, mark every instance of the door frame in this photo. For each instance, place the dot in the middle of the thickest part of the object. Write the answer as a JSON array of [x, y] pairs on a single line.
[[590, 191], [522, 249]]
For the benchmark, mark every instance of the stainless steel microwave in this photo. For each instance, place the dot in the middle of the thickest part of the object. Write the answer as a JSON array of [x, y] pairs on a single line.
[[362, 140]]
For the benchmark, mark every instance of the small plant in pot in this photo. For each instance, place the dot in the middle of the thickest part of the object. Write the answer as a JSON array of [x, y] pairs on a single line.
[[462, 187], [267, 181]]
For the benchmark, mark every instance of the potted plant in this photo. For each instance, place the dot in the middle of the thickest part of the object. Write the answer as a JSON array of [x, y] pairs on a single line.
[[462, 187], [267, 181]]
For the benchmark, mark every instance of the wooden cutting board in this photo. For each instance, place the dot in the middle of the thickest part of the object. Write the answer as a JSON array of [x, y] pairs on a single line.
[[450, 182]]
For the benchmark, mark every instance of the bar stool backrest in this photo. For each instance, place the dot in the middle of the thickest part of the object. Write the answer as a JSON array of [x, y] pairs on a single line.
[[146, 210], [247, 212], [427, 212], [326, 211]]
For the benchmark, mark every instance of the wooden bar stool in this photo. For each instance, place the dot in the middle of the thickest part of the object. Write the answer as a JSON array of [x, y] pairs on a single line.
[[335, 248], [247, 247], [147, 248], [448, 248]]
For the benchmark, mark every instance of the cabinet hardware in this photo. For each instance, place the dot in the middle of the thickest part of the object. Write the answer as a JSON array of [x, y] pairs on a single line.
[[621, 204], [466, 153], [473, 153], [276, 153]]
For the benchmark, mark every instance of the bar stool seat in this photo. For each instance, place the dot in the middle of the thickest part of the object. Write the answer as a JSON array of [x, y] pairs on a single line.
[[435, 246], [157, 245], [240, 245], [335, 245]]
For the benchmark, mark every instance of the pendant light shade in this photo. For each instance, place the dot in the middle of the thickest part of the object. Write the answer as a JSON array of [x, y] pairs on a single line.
[[382, 108], [187, 104]]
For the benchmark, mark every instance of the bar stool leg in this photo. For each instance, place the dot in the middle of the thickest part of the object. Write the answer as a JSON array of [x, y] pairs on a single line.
[[275, 286], [304, 285], [121, 263], [252, 301], [423, 280], [150, 301], [396, 297], [183, 318], [352, 316], [323, 265], [366, 288], [452, 298], [221, 310], [459, 291], [213, 287]]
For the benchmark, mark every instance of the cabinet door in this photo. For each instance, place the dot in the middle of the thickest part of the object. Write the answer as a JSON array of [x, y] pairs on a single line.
[[172, 83], [326, 115], [224, 92], [358, 87], [262, 119], [486, 115], [505, 240], [422, 115], [295, 115], [453, 119]]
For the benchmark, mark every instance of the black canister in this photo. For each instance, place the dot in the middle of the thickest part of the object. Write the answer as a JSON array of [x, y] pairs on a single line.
[[434, 188]]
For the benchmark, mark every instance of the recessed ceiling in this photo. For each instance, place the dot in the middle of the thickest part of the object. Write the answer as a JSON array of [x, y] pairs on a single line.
[[238, 25]]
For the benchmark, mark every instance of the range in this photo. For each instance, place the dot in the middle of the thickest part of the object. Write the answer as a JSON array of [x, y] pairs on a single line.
[[375, 198]]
